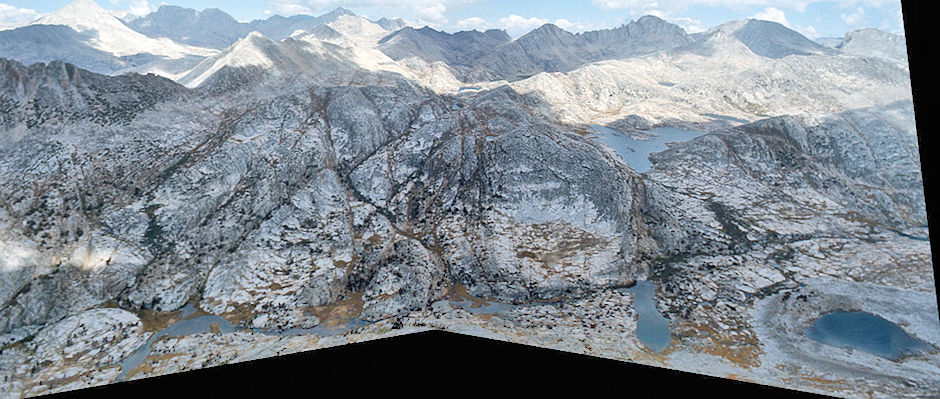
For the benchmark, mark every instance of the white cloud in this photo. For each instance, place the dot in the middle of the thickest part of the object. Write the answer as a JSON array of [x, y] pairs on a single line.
[[689, 24], [852, 11], [808, 31], [14, 17], [895, 24], [430, 11], [855, 18], [571, 26], [516, 25], [132, 8], [286, 9], [433, 12], [472, 23], [774, 15], [673, 7]]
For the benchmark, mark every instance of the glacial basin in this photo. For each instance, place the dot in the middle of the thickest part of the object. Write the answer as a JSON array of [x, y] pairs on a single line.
[[636, 152], [652, 328], [865, 332]]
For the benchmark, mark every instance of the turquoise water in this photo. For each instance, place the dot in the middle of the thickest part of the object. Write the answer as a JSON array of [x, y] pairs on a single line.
[[636, 152], [652, 329], [865, 332]]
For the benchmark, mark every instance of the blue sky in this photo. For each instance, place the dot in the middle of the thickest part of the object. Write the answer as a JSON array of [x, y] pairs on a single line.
[[812, 18]]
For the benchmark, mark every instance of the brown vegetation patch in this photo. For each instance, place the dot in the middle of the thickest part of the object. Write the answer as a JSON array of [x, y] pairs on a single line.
[[737, 344], [242, 313], [457, 292], [62, 381], [337, 313], [153, 320], [147, 366], [565, 242]]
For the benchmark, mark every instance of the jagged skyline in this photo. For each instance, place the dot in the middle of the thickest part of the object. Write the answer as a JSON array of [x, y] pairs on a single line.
[[814, 19]]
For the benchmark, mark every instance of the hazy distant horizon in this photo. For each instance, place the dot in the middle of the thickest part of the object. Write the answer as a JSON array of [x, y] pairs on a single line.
[[814, 19]]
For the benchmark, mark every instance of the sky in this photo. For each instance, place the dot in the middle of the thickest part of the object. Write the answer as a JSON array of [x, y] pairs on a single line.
[[812, 18]]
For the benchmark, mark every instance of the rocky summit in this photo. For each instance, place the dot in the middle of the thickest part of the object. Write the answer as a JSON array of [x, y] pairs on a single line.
[[350, 179]]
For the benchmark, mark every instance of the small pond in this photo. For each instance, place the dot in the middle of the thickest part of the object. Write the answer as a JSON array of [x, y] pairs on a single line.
[[865, 332], [636, 152], [652, 328]]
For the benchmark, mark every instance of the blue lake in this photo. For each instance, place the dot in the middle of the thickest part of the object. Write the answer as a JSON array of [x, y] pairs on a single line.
[[636, 152], [865, 332], [652, 329]]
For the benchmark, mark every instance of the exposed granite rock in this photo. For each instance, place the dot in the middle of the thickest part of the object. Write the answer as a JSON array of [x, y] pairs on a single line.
[[79, 351], [63, 93], [305, 198], [280, 204]]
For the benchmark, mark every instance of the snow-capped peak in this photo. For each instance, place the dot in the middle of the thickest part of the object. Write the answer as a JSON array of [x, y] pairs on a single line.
[[81, 15], [728, 27], [254, 35], [359, 29], [876, 43], [253, 50], [111, 35]]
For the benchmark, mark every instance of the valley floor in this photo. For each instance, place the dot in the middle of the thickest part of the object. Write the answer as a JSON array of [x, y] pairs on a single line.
[[756, 337]]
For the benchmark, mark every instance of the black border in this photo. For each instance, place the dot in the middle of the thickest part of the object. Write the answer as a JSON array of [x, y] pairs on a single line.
[[432, 363], [922, 61]]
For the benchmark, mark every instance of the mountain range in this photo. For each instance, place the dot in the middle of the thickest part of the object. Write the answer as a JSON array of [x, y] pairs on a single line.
[[172, 40]]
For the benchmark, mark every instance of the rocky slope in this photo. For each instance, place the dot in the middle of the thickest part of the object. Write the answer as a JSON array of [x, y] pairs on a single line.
[[378, 201], [770, 39], [552, 49], [715, 82], [431, 45], [324, 56], [210, 28], [111, 35], [402, 183], [47, 43], [89, 36], [60, 93], [876, 43]]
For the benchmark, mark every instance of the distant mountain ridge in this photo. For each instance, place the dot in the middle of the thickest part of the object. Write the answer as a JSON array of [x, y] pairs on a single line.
[[215, 29], [110, 34], [875, 43], [434, 45], [173, 41], [771, 39], [208, 28], [45, 43], [548, 48], [32, 95], [92, 38]]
